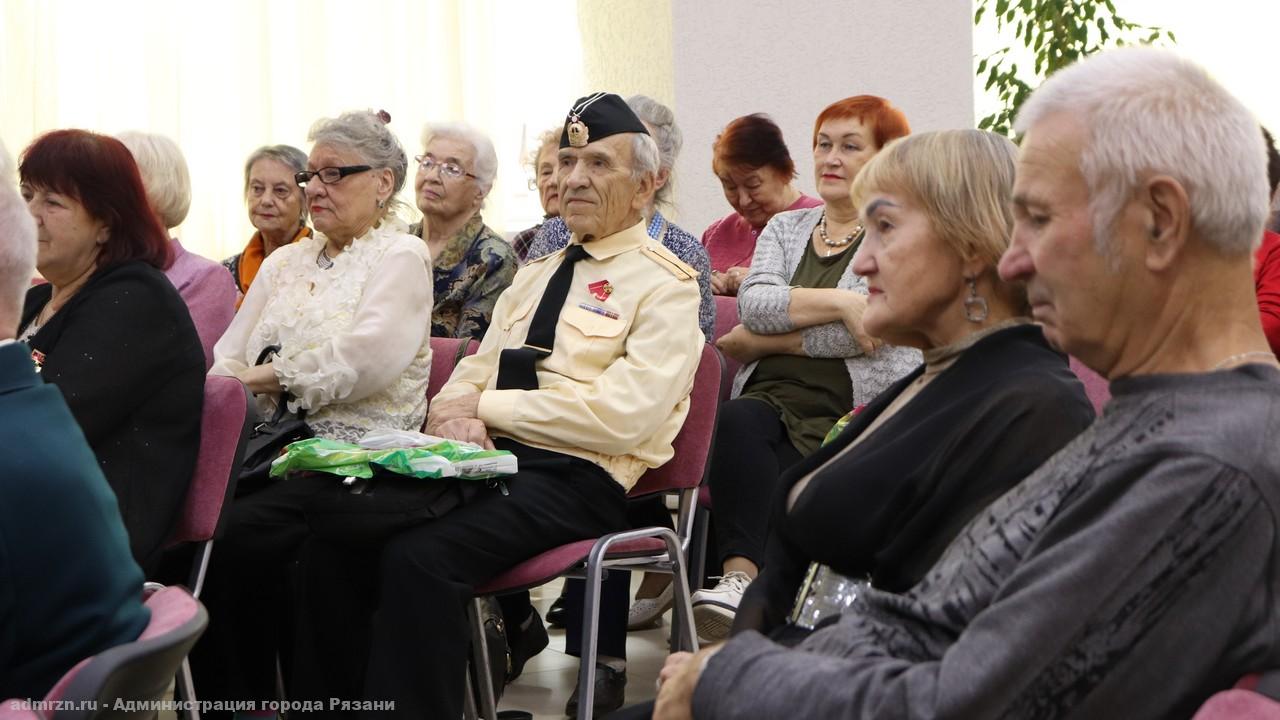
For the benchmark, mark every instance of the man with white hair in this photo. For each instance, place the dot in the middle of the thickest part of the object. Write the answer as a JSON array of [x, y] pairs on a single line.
[[1135, 573], [471, 264], [584, 376], [69, 587]]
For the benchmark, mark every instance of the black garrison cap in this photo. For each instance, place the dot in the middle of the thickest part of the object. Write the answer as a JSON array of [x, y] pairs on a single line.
[[597, 116]]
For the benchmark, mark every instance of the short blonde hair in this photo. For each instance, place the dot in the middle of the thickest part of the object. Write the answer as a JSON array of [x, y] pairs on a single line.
[[962, 179], [164, 174]]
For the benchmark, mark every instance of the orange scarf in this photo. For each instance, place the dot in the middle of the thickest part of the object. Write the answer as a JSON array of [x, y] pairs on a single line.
[[252, 257]]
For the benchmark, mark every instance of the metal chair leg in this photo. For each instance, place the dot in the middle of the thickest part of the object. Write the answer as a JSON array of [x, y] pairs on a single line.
[[185, 689], [682, 618], [480, 664], [590, 624]]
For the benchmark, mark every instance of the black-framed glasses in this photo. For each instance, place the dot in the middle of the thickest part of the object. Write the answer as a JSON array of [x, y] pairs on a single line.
[[447, 169], [329, 175]]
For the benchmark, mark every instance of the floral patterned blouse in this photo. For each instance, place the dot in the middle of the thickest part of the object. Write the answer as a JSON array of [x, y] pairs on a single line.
[[355, 351], [472, 271]]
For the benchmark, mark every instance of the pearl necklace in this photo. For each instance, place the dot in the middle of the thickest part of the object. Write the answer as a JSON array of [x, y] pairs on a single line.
[[822, 233], [1253, 353]]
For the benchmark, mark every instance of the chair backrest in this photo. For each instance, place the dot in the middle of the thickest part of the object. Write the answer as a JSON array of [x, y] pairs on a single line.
[[693, 443], [726, 320], [443, 352], [726, 314], [1096, 387], [139, 671], [225, 425]]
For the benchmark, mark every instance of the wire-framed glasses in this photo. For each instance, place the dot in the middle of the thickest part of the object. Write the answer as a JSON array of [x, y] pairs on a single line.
[[447, 169]]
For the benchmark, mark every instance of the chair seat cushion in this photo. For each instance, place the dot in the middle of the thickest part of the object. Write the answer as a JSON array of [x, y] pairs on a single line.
[[551, 564]]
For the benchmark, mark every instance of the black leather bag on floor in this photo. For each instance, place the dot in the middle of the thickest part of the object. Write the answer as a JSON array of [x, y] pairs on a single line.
[[268, 439]]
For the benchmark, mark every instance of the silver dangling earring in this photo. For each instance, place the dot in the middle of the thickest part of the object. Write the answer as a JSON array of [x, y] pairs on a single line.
[[382, 204], [975, 306]]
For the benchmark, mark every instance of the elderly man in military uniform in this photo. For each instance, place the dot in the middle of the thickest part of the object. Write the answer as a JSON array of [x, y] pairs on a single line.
[[584, 375]]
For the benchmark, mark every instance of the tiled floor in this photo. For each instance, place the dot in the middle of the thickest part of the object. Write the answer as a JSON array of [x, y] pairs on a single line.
[[549, 678]]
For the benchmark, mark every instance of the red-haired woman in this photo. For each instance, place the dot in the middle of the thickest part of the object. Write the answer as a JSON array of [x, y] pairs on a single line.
[[755, 170], [109, 329], [807, 360]]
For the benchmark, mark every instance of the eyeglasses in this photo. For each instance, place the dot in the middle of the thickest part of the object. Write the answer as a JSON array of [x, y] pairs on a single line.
[[329, 175], [447, 169]]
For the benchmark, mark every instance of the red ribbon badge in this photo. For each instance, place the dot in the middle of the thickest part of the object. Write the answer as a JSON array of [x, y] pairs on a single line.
[[601, 289], [37, 357]]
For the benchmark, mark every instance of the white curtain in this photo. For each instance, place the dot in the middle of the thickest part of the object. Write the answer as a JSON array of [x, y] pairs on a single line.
[[224, 78]]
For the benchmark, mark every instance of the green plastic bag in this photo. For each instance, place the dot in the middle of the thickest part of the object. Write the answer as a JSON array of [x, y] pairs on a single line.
[[442, 459]]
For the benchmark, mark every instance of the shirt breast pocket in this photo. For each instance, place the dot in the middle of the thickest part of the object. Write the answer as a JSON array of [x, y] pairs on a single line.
[[591, 341]]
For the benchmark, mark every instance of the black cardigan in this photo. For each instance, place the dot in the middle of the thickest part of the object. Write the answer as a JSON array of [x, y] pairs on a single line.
[[126, 356], [891, 505]]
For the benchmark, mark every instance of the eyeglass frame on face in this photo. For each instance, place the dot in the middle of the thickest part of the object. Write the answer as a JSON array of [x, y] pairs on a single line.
[[451, 170], [304, 177]]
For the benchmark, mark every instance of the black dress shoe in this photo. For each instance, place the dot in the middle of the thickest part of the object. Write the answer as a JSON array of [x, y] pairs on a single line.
[[524, 642], [611, 686], [555, 614]]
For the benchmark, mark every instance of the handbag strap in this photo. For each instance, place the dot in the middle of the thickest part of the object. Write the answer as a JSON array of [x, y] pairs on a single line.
[[282, 402]]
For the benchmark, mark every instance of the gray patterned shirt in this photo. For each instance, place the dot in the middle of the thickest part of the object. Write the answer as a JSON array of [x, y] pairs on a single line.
[[1131, 576]]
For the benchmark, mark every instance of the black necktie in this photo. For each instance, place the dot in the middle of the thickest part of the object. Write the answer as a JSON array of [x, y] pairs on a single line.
[[516, 366]]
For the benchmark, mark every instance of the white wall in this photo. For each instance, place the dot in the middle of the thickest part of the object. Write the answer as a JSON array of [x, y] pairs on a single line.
[[791, 58]]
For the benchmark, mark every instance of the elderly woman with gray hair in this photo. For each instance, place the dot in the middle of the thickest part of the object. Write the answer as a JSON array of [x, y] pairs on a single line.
[[471, 263], [349, 309], [661, 123], [277, 209], [204, 287]]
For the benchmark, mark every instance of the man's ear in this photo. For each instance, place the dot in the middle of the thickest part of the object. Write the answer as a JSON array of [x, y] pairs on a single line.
[[1166, 210], [645, 189]]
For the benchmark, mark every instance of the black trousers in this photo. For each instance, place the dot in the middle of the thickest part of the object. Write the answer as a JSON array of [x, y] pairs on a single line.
[[410, 603], [751, 452], [249, 592]]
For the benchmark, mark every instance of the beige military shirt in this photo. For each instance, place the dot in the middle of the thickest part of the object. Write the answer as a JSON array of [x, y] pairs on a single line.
[[615, 389]]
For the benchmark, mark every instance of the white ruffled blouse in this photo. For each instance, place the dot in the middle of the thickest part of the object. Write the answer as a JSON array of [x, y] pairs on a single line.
[[355, 338]]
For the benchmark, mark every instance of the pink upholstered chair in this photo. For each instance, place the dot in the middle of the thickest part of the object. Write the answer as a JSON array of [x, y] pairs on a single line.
[[137, 672], [444, 353], [726, 320], [225, 425], [1253, 698], [653, 549], [1238, 704]]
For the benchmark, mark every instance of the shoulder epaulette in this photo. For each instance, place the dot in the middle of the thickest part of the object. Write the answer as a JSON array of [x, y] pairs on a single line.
[[669, 261]]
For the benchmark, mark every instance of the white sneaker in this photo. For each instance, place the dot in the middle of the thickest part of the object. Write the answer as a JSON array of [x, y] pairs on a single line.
[[647, 613], [713, 609]]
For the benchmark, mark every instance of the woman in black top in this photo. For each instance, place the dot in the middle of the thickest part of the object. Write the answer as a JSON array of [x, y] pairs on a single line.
[[991, 403], [110, 330]]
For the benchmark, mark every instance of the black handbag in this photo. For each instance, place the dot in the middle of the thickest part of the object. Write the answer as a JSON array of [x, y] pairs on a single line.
[[269, 438], [368, 511]]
